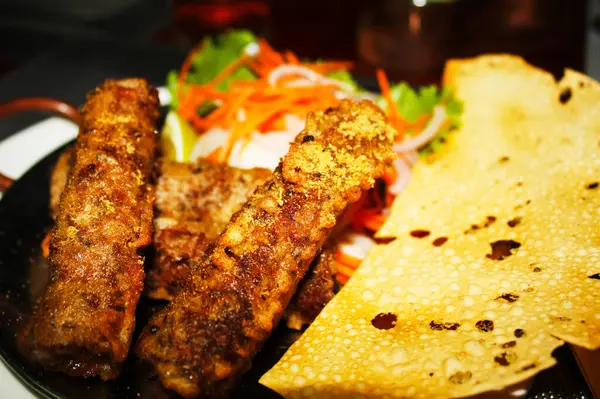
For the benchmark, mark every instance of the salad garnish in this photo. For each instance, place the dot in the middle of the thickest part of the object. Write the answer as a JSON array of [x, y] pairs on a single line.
[[246, 102]]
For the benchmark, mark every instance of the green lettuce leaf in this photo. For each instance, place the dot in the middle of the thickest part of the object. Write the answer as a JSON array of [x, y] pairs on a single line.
[[216, 54], [345, 77], [413, 104]]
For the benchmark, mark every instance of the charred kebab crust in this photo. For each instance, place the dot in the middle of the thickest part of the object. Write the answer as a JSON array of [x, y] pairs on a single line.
[[230, 306], [88, 321]]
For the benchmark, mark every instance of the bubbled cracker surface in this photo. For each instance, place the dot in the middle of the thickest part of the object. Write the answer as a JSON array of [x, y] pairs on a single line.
[[542, 288]]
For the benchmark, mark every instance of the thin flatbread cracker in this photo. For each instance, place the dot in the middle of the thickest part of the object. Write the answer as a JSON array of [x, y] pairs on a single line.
[[509, 271]]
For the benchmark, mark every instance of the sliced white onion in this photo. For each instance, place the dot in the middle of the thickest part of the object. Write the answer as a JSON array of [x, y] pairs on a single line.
[[286, 70], [248, 155], [411, 157], [308, 77], [403, 171], [277, 143], [208, 142], [301, 82], [293, 124], [428, 133], [355, 244], [261, 150], [366, 95], [342, 85]]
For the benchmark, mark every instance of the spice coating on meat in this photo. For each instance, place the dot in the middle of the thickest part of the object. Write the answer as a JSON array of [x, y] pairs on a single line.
[[194, 203], [83, 323], [206, 338], [58, 179], [314, 291], [204, 197]]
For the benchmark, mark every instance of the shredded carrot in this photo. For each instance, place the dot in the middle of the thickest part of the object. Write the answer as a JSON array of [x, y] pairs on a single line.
[[342, 278], [268, 53], [291, 58], [375, 222], [250, 106], [185, 68], [229, 69], [346, 260], [46, 245], [389, 199], [214, 155], [330, 66], [345, 271], [393, 115]]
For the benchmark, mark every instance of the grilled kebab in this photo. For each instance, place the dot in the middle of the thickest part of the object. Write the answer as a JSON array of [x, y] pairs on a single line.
[[194, 203], [207, 336], [83, 323]]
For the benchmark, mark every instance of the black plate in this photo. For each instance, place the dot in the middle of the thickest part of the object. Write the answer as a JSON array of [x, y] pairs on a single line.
[[24, 220]]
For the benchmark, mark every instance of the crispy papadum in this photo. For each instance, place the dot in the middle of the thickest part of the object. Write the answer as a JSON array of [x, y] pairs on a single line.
[[510, 269]]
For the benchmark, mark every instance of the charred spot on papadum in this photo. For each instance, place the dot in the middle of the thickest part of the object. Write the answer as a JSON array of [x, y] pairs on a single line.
[[438, 242], [508, 297], [528, 367], [460, 377], [384, 240], [485, 325], [514, 222], [384, 321], [419, 233], [489, 220], [565, 95], [502, 249], [439, 326], [505, 358]]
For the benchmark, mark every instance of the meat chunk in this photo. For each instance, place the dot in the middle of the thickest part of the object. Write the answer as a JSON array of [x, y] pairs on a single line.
[[194, 203], [314, 291], [58, 179], [83, 323], [207, 336]]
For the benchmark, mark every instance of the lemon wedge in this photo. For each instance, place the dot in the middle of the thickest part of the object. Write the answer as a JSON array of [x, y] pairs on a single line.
[[177, 138]]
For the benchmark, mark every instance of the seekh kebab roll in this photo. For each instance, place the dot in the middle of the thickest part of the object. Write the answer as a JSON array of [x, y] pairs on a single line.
[[207, 336], [194, 203], [83, 324]]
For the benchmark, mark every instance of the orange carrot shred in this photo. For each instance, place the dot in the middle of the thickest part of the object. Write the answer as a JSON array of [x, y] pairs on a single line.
[[393, 114], [349, 261], [185, 68], [46, 245], [229, 69], [342, 278], [292, 58]]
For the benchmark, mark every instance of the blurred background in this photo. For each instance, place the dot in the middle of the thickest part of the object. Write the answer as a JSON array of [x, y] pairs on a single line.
[[409, 38]]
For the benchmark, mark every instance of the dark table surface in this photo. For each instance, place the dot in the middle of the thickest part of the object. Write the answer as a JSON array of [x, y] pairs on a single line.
[[69, 70], [72, 68]]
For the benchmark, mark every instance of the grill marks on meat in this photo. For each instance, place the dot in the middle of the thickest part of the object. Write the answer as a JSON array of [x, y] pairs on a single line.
[[196, 202], [58, 179], [83, 323], [193, 205], [207, 336], [314, 291]]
